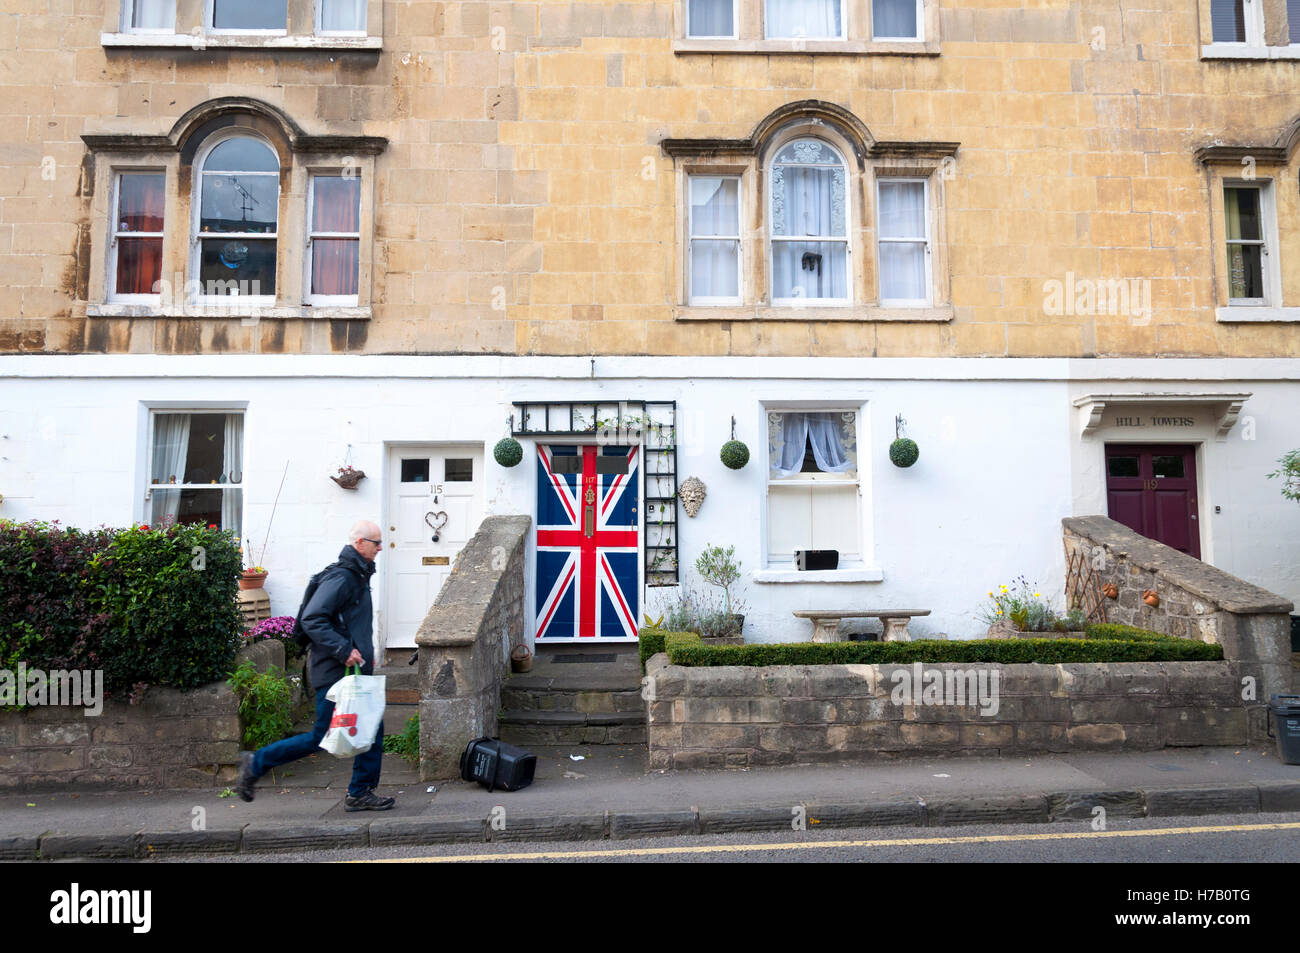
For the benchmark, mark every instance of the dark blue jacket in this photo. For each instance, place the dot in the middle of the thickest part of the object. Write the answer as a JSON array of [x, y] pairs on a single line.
[[338, 619]]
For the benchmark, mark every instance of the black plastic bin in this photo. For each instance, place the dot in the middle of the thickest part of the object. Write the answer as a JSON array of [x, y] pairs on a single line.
[[495, 764], [1284, 712]]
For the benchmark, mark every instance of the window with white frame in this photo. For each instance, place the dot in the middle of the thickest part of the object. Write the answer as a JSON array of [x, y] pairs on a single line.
[[249, 16], [808, 237], [812, 486], [136, 247], [341, 16], [1293, 21], [150, 16], [1245, 211], [196, 468], [714, 246], [334, 240], [896, 19], [1237, 21], [237, 215], [711, 18], [903, 231], [803, 19]]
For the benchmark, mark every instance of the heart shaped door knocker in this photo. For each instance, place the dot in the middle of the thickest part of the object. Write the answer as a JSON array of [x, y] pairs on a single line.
[[436, 527]]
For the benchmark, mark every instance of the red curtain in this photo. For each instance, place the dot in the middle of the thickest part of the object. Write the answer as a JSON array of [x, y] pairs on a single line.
[[336, 207], [139, 209]]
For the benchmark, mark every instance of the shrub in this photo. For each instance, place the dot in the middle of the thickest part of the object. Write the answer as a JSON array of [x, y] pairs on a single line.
[[265, 703], [147, 606], [683, 651], [1115, 631], [407, 744], [1027, 610], [173, 619], [49, 619]]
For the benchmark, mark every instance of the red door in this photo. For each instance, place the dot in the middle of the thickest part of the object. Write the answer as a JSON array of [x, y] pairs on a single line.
[[1151, 489]]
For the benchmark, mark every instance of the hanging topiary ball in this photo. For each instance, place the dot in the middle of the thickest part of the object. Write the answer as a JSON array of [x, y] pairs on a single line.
[[734, 454], [903, 452], [508, 452]]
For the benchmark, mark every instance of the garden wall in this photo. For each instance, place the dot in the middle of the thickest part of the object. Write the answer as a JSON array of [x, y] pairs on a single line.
[[465, 643], [740, 716], [1196, 600], [171, 739]]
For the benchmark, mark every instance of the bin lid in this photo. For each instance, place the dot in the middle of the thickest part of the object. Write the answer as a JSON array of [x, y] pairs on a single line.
[[1285, 704]]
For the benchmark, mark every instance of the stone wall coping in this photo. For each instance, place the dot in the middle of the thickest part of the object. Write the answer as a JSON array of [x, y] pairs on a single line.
[[1225, 590]]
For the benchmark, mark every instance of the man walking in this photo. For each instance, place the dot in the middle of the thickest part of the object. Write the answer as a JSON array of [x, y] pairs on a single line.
[[338, 621]]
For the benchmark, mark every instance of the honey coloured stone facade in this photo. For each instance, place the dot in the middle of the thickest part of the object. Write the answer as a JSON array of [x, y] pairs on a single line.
[[524, 170]]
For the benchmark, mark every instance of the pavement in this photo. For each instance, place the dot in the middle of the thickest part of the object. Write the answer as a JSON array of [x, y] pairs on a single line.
[[606, 792]]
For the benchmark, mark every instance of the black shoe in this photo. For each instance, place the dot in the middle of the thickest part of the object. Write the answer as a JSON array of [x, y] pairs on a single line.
[[368, 802], [245, 782]]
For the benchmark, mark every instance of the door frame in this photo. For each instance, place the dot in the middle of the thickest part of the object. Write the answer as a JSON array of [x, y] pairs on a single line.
[[390, 447], [1198, 461], [530, 588]]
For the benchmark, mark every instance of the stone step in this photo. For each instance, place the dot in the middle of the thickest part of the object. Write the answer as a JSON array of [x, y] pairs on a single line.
[[526, 733], [557, 718], [396, 717], [539, 699]]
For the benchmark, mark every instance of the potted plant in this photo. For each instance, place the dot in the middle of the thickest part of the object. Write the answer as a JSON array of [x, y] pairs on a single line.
[[719, 567], [348, 477], [1018, 609]]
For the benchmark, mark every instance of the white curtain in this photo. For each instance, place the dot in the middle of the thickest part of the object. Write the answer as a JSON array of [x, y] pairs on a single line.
[[171, 447], [802, 18], [893, 18], [153, 15], [808, 197], [233, 461], [823, 431], [710, 18], [343, 15], [715, 264], [902, 263]]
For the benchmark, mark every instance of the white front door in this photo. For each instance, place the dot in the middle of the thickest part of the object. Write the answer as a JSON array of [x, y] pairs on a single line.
[[433, 491]]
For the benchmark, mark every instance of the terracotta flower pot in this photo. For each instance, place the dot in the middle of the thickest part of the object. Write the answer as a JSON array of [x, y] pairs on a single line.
[[1110, 590], [1151, 597], [252, 580]]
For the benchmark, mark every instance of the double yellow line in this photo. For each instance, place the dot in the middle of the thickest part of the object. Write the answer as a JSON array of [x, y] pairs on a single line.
[[832, 844]]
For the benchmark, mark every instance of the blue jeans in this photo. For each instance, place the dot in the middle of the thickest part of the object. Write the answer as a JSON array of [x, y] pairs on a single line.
[[365, 767]]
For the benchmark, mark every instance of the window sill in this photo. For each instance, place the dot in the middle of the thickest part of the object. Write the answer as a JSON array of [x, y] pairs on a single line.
[[244, 313], [812, 312], [843, 47], [1237, 51], [248, 41], [1261, 314], [782, 576]]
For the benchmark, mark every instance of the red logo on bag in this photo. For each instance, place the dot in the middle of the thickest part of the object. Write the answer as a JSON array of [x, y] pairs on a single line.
[[345, 721]]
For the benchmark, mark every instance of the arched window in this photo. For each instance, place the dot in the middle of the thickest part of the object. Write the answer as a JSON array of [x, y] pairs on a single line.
[[809, 229], [238, 212]]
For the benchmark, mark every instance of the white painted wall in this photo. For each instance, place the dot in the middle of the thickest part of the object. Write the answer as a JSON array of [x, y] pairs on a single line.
[[1001, 457]]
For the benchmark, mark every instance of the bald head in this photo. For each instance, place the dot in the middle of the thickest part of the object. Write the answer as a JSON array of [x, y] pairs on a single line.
[[362, 537]]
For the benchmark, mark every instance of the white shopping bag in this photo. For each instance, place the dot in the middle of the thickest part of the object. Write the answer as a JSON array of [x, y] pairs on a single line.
[[358, 709]]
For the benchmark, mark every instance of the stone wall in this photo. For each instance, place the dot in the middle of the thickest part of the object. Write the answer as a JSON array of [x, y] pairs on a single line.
[[465, 643], [171, 739], [739, 716], [1196, 600]]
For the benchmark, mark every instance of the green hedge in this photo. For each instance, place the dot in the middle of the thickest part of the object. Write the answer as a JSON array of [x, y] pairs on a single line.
[[1106, 644], [147, 606]]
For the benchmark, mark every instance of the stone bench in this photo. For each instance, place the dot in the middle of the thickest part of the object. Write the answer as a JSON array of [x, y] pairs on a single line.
[[826, 622]]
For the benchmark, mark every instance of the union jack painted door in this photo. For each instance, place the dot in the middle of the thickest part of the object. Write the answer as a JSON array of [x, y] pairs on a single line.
[[588, 582]]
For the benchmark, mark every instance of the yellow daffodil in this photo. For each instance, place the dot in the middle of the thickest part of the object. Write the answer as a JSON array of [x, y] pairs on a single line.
[[1036, 595]]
